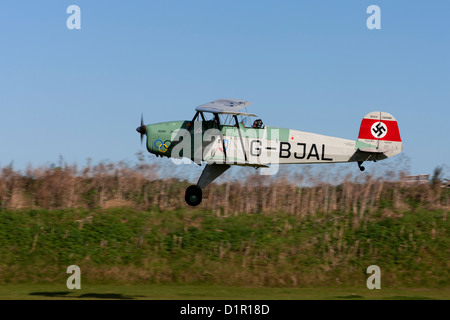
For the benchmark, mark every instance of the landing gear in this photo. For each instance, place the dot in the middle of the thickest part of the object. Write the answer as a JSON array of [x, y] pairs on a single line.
[[193, 195], [360, 166]]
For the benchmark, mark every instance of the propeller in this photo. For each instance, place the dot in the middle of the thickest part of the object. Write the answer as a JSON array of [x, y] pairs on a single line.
[[142, 129]]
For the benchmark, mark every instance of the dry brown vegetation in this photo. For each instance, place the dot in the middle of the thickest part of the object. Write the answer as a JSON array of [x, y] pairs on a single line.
[[139, 186]]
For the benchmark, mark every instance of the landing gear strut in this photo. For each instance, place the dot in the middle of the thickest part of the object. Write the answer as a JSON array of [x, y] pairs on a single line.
[[193, 195], [360, 166]]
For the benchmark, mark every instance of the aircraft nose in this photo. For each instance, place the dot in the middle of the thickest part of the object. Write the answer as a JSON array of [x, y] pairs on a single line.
[[142, 130]]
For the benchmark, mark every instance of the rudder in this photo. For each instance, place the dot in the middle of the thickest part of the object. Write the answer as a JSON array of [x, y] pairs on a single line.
[[379, 133]]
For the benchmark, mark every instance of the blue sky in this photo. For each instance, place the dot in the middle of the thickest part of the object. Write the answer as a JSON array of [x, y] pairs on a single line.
[[307, 65]]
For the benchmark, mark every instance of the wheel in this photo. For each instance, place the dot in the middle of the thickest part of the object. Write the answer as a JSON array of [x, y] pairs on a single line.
[[360, 166], [193, 195]]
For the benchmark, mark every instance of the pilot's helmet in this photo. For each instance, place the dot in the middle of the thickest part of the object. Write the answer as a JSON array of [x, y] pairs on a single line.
[[257, 123]]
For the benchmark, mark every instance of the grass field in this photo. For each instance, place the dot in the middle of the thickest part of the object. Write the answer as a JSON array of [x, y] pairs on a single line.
[[190, 292], [124, 246], [198, 254]]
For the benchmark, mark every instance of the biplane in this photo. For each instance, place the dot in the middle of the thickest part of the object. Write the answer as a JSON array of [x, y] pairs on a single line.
[[222, 134]]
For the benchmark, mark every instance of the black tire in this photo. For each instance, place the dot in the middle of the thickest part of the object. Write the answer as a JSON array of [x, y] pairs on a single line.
[[193, 195]]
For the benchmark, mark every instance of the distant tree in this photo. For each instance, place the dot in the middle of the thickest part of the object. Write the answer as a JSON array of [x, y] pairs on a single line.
[[438, 174]]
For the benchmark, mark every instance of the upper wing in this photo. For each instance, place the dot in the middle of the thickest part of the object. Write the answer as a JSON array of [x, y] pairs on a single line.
[[226, 106]]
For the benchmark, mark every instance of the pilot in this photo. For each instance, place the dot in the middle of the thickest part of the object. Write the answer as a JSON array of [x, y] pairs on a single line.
[[257, 124]]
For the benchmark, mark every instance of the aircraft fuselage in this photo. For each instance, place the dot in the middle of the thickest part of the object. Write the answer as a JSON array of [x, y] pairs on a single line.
[[204, 141]]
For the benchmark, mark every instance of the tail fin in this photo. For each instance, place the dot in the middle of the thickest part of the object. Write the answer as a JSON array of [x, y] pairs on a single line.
[[379, 134]]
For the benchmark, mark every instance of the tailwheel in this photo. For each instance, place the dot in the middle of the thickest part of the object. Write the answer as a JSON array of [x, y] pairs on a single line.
[[193, 195], [360, 166]]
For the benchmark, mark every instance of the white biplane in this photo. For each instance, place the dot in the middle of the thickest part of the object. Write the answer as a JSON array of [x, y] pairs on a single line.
[[221, 135]]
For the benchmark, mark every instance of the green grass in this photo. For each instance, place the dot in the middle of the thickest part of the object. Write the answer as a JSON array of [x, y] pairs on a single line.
[[121, 247], [204, 292]]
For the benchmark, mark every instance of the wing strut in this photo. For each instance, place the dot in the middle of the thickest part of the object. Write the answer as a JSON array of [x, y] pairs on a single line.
[[240, 137], [193, 120], [216, 117]]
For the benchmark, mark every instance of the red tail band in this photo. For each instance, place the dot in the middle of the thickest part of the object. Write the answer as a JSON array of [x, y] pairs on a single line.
[[374, 129]]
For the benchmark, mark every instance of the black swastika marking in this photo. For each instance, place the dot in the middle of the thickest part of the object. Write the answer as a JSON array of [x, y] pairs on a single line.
[[379, 129]]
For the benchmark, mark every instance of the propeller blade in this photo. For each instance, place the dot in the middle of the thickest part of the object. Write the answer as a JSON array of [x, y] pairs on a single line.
[[142, 123], [142, 129]]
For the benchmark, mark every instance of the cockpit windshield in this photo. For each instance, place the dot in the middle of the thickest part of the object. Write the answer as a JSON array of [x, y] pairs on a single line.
[[246, 121]]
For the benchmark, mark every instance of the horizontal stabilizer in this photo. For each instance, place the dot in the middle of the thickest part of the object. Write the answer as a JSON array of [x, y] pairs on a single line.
[[375, 150]]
